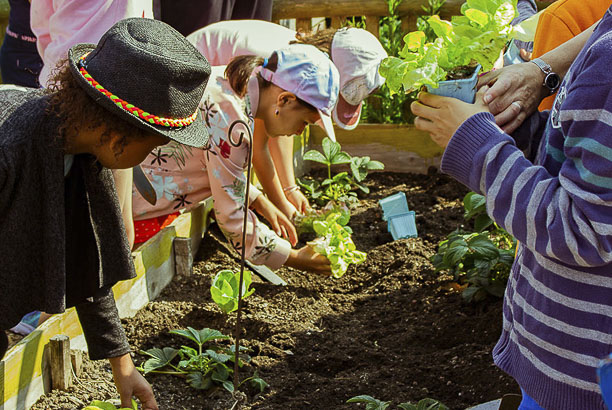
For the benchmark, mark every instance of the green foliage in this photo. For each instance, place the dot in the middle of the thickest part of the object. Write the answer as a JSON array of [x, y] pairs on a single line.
[[224, 289], [481, 259], [203, 368], [424, 404], [104, 405], [304, 222], [334, 241], [384, 106], [477, 36], [371, 402], [375, 404], [339, 187]]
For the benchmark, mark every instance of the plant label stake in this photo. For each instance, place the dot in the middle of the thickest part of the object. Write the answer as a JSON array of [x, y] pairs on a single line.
[[243, 250]]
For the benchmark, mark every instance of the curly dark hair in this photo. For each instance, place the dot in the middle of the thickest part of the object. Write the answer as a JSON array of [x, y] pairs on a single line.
[[76, 109]]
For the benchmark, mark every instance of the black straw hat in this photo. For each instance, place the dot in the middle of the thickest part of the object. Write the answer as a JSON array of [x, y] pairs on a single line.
[[147, 73]]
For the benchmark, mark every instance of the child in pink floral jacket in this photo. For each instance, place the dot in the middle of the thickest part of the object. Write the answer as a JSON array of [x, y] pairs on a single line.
[[296, 86]]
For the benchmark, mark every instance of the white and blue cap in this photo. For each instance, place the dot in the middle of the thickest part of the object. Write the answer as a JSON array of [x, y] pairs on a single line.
[[309, 74], [357, 53]]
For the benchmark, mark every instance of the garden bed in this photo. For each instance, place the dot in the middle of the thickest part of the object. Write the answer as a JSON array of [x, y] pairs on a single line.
[[391, 327]]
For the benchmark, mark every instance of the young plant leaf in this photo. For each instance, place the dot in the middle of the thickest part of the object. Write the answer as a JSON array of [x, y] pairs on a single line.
[[159, 358], [371, 402], [258, 382], [218, 357], [198, 381], [229, 386], [316, 156], [225, 290]]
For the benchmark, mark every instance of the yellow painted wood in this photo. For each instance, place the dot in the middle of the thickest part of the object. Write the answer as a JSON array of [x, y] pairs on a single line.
[[22, 363]]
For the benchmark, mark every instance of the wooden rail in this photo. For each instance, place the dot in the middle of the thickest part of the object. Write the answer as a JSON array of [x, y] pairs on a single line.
[[339, 10]]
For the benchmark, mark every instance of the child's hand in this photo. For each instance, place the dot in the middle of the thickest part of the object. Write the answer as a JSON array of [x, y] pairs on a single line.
[[442, 116], [130, 383], [279, 222], [308, 260], [297, 198]]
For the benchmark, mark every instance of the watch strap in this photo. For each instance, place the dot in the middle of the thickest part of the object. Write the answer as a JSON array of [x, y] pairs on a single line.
[[543, 65]]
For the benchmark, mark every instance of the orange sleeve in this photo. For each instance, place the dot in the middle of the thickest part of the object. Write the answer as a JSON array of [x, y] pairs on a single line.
[[562, 21]]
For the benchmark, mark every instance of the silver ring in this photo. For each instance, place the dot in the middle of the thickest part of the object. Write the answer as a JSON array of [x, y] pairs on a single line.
[[518, 104]]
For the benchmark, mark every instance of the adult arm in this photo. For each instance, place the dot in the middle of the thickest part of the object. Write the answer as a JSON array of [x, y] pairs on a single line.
[[516, 91], [565, 216], [64, 23]]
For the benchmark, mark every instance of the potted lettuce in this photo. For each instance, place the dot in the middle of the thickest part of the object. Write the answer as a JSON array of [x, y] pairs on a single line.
[[449, 64]]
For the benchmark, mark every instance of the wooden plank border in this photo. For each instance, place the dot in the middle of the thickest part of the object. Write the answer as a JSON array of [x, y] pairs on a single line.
[[402, 148], [21, 374]]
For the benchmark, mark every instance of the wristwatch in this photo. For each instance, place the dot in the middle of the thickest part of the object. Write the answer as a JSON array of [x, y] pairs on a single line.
[[552, 81]]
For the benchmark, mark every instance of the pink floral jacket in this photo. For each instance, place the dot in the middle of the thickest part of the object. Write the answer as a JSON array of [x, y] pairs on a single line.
[[184, 176]]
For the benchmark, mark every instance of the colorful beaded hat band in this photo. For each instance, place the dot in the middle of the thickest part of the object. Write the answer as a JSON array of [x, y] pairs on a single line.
[[151, 118]]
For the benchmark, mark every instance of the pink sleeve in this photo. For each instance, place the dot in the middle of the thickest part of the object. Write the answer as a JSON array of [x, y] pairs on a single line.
[[60, 24], [225, 163]]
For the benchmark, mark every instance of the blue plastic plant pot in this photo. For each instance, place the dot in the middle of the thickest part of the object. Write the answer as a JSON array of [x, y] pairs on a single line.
[[403, 226], [604, 375], [393, 205], [463, 89], [512, 55]]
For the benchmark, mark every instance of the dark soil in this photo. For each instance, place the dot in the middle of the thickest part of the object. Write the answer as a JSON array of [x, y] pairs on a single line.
[[461, 72], [389, 328]]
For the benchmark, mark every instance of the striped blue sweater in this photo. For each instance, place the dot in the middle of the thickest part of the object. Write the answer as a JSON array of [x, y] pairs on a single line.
[[558, 204]]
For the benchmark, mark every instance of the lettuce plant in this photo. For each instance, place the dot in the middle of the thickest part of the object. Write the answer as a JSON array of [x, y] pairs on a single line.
[[334, 241], [224, 289], [104, 405], [475, 37]]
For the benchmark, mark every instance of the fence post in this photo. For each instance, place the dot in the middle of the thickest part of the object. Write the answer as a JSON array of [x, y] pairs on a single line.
[[373, 25], [60, 363], [183, 257]]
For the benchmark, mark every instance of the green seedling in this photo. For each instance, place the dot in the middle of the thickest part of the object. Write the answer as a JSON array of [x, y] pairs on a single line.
[[334, 242], [205, 367], [104, 405], [476, 37], [339, 187], [375, 404], [224, 289], [481, 259]]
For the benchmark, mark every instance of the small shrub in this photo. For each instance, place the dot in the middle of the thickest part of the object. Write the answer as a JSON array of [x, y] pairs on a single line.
[[479, 260], [206, 367]]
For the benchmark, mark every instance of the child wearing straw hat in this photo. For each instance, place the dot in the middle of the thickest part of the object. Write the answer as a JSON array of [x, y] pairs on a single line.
[[108, 108], [295, 86]]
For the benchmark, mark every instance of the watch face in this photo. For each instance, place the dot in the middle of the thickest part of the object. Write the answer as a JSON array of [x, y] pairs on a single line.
[[552, 82]]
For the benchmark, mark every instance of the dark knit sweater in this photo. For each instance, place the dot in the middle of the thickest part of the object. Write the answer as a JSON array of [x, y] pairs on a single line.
[[63, 242], [558, 204]]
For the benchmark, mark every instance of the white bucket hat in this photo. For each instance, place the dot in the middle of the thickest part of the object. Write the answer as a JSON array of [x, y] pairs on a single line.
[[357, 54], [308, 73]]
